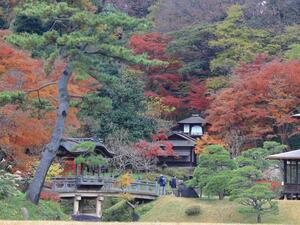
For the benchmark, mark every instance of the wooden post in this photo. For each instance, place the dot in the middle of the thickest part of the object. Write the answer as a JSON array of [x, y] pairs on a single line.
[[98, 206], [77, 199]]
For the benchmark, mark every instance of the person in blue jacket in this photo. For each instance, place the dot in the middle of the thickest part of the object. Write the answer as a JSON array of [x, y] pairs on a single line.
[[173, 184], [162, 183]]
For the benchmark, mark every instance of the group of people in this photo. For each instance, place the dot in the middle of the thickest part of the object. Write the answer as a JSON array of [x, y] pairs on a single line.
[[163, 182]]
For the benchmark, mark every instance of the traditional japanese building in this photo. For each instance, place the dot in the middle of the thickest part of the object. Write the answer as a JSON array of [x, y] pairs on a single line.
[[183, 138], [67, 152], [291, 173], [66, 148]]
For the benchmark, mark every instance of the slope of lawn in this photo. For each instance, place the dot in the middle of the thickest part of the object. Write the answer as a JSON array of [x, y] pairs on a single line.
[[11, 209], [172, 209]]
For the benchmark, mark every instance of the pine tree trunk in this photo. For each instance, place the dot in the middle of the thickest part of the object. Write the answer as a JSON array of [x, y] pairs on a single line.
[[49, 153]]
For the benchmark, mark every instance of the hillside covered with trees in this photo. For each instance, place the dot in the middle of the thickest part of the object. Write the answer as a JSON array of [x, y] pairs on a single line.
[[125, 72]]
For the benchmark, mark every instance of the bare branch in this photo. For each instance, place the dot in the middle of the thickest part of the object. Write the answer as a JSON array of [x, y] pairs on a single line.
[[41, 87]]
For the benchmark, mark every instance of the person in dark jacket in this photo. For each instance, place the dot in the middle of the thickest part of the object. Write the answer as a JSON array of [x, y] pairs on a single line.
[[162, 183], [173, 184]]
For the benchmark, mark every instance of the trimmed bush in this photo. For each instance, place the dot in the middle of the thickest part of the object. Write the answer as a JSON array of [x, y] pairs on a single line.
[[193, 210]]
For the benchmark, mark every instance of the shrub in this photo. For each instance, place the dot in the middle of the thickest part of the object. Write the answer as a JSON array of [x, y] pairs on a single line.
[[118, 212], [8, 185], [193, 210], [50, 196]]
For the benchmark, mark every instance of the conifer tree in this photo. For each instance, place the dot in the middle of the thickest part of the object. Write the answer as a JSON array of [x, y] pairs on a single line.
[[81, 34]]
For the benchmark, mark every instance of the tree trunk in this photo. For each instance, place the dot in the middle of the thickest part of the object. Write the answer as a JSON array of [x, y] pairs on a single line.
[[221, 195], [284, 141], [49, 153], [258, 218]]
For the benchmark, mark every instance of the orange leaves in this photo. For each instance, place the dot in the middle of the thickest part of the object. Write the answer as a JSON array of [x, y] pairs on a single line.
[[204, 141], [261, 95], [25, 130]]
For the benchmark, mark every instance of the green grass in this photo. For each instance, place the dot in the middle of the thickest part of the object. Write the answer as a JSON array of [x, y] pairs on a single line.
[[10, 209], [172, 209]]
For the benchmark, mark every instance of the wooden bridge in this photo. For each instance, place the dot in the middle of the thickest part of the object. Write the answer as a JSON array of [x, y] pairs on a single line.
[[106, 186], [95, 187]]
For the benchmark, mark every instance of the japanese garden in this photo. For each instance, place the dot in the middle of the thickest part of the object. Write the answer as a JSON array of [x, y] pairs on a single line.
[[149, 111]]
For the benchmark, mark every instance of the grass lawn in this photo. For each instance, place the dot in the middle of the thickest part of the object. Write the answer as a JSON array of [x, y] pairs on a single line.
[[172, 209], [91, 223], [10, 209]]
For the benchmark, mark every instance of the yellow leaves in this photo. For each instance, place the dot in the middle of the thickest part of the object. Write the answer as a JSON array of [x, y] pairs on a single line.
[[54, 170], [206, 140], [156, 107], [125, 180]]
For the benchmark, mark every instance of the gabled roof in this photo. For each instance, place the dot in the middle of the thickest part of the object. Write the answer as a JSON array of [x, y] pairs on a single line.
[[183, 135], [195, 118], [67, 145], [187, 140], [286, 155]]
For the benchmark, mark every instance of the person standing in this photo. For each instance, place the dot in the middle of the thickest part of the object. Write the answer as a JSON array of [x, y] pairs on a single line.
[[173, 184], [162, 183]]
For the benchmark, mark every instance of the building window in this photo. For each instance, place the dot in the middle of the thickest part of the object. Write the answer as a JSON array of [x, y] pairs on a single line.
[[197, 130], [291, 172], [186, 128]]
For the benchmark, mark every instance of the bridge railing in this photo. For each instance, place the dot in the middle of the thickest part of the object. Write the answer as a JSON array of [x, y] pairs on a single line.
[[110, 185]]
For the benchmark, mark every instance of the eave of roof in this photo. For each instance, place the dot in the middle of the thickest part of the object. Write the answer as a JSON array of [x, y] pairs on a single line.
[[193, 120], [69, 143], [292, 155], [178, 143], [183, 135]]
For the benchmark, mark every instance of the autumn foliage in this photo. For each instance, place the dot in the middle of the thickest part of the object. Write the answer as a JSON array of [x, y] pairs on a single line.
[[259, 102], [184, 93], [158, 147], [26, 126], [206, 140]]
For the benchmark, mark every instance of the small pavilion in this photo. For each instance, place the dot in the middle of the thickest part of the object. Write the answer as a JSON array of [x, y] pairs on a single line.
[[86, 177], [291, 171]]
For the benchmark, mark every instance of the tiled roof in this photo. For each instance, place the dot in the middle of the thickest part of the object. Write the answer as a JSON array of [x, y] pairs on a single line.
[[193, 119], [69, 143]]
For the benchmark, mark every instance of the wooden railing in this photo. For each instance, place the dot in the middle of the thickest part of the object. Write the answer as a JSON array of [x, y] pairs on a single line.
[[102, 184]]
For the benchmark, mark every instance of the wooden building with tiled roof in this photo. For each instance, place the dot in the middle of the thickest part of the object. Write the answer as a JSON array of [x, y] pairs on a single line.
[[183, 138]]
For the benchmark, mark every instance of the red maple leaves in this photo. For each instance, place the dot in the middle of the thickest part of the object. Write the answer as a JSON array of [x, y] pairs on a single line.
[[184, 93]]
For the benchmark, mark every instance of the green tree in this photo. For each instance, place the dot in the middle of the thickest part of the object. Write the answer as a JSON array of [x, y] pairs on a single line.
[[191, 46], [213, 161], [243, 178], [124, 110], [293, 52], [218, 184], [257, 156], [258, 199], [81, 34], [236, 41]]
